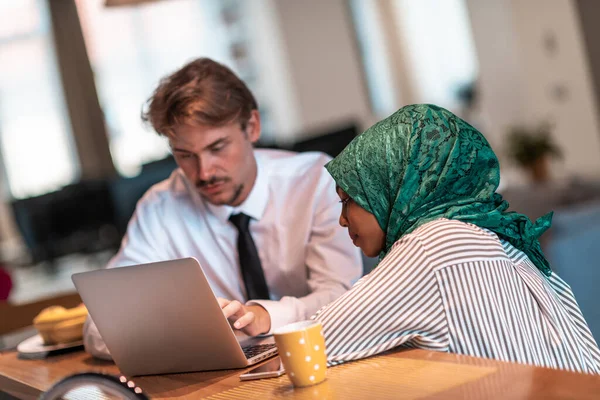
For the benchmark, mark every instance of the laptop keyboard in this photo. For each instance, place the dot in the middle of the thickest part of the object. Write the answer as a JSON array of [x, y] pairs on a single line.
[[252, 351]]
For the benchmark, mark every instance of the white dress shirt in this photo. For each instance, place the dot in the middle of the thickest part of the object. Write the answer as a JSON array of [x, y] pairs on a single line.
[[307, 258]]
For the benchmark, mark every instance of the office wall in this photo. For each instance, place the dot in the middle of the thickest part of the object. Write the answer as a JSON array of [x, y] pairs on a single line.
[[533, 66], [559, 84], [324, 62], [500, 71], [273, 65], [589, 13]]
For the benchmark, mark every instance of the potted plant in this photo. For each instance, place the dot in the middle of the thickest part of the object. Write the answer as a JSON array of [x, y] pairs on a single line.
[[532, 149]]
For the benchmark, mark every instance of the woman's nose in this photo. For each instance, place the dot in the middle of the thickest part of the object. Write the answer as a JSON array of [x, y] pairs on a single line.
[[343, 221]]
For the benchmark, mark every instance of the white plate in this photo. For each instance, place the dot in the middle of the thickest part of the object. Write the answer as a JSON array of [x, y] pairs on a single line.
[[35, 344]]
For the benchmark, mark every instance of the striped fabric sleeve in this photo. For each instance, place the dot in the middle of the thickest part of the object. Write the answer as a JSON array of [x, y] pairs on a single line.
[[396, 304]]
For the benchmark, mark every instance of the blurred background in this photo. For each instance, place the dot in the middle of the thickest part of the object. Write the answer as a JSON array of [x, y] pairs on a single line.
[[74, 74]]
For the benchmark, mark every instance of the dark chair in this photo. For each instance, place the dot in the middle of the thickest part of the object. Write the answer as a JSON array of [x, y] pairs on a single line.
[[331, 142], [77, 218], [126, 192]]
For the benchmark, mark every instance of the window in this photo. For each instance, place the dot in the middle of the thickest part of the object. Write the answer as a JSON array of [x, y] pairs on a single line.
[[376, 63], [425, 45], [439, 47], [130, 49], [35, 134]]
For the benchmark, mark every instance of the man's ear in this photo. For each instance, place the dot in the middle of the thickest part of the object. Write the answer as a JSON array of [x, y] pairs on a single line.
[[253, 126]]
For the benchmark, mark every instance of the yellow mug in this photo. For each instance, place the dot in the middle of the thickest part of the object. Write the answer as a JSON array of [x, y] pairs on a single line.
[[301, 347]]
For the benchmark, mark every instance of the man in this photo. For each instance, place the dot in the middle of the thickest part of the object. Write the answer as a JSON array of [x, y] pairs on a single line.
[[262, 223]]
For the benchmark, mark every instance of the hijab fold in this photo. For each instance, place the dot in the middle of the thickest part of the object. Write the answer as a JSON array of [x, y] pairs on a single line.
[[423, 163]]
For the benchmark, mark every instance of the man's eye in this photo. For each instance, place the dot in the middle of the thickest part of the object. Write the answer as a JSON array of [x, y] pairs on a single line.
[[216, 149], [184, 156]]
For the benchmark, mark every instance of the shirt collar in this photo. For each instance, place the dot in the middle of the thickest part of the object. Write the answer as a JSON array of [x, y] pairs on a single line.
[[254, 205]]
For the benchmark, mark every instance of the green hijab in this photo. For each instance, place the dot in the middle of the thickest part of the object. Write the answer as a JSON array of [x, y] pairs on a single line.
[[423, 163]]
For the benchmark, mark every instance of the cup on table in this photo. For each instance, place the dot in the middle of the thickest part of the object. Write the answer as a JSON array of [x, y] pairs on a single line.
[[301, 347]]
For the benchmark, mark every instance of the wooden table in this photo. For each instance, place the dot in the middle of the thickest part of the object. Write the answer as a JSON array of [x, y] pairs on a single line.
[[398, 374]]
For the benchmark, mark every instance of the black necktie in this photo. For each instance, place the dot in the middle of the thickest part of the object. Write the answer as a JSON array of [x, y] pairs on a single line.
[[254, 278]]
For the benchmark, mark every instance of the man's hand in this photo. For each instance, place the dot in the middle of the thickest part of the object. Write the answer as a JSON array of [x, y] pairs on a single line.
[[252, 320]]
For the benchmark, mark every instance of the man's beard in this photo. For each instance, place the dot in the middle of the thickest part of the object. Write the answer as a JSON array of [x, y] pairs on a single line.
[[215, 180], [236, 194]]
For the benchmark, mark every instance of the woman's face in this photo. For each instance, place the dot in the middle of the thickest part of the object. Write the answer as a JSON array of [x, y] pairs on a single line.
[[363, 228]]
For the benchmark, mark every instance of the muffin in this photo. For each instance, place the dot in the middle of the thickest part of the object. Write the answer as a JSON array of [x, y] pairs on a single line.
[[58, 325]]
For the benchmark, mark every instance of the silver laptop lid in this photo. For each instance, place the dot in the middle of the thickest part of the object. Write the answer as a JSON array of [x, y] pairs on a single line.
[[160, 318]]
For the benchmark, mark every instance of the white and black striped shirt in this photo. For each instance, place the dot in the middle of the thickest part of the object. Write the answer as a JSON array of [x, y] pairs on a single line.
[[454, 287]]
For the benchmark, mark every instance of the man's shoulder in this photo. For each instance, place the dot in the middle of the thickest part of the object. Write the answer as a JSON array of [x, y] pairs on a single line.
[[288, 163]]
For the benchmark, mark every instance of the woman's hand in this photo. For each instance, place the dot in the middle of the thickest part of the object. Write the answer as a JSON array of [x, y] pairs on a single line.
[[253, 320]]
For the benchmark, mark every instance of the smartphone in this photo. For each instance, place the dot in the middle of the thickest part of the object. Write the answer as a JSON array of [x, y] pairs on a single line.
[[271, 369]]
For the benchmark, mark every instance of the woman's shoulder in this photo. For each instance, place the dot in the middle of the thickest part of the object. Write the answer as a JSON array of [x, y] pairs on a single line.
[[452, 227], [455, 241]]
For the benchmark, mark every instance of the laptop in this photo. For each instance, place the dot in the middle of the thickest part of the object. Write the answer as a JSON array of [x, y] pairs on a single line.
[[163, 317]]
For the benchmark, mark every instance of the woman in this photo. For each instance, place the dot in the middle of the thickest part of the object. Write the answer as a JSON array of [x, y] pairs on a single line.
[[457, 273]]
